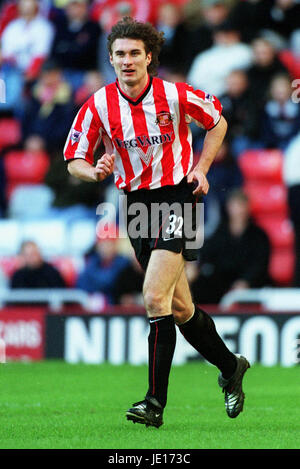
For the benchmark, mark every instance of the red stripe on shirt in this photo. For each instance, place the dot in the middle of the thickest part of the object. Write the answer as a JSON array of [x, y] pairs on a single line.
[[198, 113], [162, 105], [115, 123], [141, 130], [94, 130], [183, 128], [72, 146]]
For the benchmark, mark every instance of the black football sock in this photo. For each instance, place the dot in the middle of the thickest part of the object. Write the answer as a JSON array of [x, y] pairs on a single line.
[[161, 342], [200, 332]]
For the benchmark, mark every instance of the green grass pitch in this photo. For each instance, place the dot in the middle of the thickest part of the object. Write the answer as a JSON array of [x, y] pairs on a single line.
[[58, 405]]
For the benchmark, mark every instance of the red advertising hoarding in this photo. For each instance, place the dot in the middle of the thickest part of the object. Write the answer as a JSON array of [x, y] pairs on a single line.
[[22, 331]]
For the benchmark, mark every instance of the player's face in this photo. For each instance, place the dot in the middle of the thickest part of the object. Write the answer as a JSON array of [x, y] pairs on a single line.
[[130, 61]]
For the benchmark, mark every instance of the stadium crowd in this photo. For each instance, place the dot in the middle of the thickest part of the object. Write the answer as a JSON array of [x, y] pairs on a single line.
[[246, 52]]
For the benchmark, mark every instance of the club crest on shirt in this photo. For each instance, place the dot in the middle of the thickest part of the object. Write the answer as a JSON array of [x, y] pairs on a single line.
[[163, 118], [75, 136]]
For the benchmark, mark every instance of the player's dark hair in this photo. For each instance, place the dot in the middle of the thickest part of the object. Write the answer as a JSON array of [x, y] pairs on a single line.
[[132, 29]]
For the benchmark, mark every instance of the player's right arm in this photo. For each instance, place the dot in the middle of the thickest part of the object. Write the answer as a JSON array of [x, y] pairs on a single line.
[[83, 140], [83, 170]]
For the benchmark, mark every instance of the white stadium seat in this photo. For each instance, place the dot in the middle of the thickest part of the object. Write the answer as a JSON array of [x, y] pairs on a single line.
[[9, 237], [81, 237], [50, 235], [28, 201]]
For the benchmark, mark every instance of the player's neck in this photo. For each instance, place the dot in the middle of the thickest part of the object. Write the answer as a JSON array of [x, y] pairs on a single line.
[[134, 90]]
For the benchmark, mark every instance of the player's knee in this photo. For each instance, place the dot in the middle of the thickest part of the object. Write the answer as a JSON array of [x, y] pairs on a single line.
[[155, 303]]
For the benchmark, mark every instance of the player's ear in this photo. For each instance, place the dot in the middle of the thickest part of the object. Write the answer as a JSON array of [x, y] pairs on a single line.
[[111, 59], [149, 58]]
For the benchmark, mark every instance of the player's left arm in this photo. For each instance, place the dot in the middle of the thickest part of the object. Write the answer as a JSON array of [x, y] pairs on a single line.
[[212, 143]]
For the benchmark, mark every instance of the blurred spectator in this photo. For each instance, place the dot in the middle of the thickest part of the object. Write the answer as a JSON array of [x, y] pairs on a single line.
[[210, 68], [8, 12], [92, 82], [236, 256], [265, 65], [26, 41], [49, 111], [194, 34], [251, 16], [281, 116], [35, 272], [224, 175], [284, 17], [129, 285], [291, 175], [290, 56], [25, 44], [74, 199], [104, 266], [76, 42], [240, 111], [169, 17]]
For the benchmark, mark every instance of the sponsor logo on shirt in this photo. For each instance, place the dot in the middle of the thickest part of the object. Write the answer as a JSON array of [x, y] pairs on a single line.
[[144, 141]]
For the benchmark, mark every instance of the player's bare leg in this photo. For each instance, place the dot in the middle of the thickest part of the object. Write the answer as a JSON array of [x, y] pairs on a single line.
[[199, 330], [163, 272]]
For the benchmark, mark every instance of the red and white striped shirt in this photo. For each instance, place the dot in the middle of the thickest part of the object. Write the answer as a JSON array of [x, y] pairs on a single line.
[[149, 135]]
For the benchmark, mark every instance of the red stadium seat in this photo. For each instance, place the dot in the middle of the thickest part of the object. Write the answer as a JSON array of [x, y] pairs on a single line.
[[280, 230], [281, 267], [10, 132], [261, 165], [65, 265], [67, 268], [267, 199], [25, 168], [9, 264]]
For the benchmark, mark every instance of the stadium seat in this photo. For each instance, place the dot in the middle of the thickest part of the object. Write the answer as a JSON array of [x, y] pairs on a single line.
[[267, 199], [50, 235], [81, 237], [25, 168], [10, 132], [261, 165], [9, 237], [68, 268], [279, 229], [29, 201], [9, 264], [281, 267]]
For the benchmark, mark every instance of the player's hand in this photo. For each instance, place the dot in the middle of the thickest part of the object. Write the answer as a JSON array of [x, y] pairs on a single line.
[[201, 183], [104, 166]]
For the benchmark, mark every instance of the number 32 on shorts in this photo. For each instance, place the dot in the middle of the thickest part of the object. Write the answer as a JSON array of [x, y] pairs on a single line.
[[175, 226]]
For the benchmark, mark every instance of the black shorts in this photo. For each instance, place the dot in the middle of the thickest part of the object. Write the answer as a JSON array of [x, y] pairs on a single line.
[[163, 221]]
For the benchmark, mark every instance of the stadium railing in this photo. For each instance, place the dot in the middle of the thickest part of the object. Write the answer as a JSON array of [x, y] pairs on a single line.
[[272, 299], [55, 298]]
